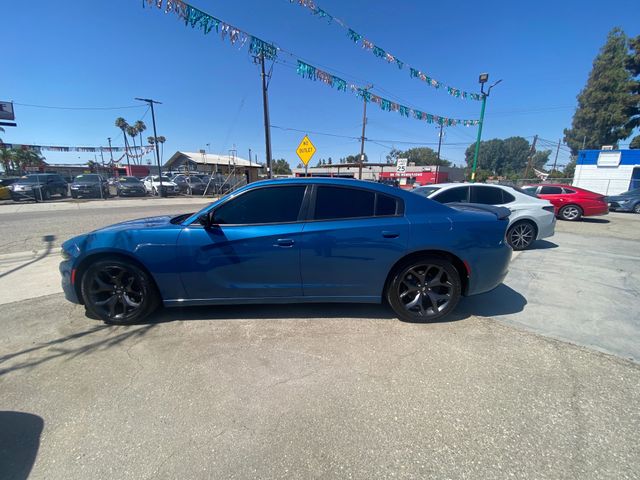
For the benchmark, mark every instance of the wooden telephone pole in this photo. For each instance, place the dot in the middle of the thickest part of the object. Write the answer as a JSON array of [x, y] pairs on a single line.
[[530, 159]]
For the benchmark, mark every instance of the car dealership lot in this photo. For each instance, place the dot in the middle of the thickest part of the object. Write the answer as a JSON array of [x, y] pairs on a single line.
[[332, 390]]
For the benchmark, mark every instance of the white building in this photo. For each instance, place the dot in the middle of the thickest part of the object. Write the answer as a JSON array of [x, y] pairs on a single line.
[[608, 172]]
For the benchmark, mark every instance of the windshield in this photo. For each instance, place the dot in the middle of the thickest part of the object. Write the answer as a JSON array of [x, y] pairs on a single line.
[[128, 180], [87, 178], [426, 191], [164, 179]]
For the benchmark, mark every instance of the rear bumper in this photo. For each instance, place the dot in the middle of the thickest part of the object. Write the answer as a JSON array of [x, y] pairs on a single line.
[[547, 227], [617, 207], [594, 211], [489, 269]]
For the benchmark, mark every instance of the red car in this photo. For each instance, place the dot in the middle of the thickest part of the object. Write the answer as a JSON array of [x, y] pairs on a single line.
[[571, 203]]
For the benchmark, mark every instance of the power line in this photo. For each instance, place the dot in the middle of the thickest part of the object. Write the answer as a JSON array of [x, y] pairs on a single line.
[[76, 108]]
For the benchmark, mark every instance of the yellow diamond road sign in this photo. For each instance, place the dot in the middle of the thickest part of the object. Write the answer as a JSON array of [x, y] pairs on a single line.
[[305, 150]]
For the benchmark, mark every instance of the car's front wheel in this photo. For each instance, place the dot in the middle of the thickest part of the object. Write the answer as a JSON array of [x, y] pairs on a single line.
[[424, 289], [636, 208], [521, 235], [570, 213], [118, 292]]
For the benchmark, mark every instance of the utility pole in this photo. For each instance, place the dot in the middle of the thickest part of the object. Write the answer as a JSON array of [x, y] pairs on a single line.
[[110, 150], [440, 139], [555, 161], [584, 141], [155, 140], [364, 124], [531, 152], [265, 108], [249, 155], [484, 78]]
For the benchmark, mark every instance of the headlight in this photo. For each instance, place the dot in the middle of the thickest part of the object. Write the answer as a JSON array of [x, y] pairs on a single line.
[[64, 254]]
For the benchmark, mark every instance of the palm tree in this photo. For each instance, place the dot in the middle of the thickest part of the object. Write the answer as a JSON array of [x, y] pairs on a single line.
[[27, 158], [140, 127], [133, 132], [122, 124], [7, 156], [161, 141]]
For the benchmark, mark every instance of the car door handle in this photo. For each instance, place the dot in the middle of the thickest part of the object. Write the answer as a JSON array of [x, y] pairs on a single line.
[[387, 234], [284, 242]]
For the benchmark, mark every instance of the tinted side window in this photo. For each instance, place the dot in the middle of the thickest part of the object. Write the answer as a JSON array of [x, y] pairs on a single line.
[[486, 195], [386, 205], [568, 190], [336, 202], [457, 194], [550, 191], [263, 205]]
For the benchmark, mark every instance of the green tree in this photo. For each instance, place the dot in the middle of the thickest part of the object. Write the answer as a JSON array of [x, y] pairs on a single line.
[[132, 131], [281, 167], [569, 169], [26, 158], [633, 65], [7, 156], [635, 143], [355, 158], [606, 106], [505, 157]]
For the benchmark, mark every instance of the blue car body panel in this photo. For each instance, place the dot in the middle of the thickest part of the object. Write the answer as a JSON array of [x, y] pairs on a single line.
[[345, 260]]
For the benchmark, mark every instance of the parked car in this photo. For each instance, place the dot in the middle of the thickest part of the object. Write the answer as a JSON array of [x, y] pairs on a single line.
[[129, 187], [5, 190], [531, 219], [90, 185], [189, 184], [625, 202], [39, 186], [291, 241], [571, 203], [152, 184]]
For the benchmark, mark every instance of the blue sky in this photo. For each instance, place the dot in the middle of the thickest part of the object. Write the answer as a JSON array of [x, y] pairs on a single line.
[[105, 53]]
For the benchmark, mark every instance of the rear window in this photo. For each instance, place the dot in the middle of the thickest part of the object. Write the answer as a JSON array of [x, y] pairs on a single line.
[[385, 205], [568, 190], [550, 191], [337, 202], [426, 191], [489, 195]]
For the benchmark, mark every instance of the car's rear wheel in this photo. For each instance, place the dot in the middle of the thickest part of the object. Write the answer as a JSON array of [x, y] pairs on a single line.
[[521, 235], [118, 292], [424, 289], [570, 213], [636, 208]]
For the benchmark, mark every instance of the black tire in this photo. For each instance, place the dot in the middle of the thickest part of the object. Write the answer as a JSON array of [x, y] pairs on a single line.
[[63, 193], [46, 194], [118, 292], [570, 213], [436, 284], [154, 192], [521, 235], [636, 208], [74, 195]]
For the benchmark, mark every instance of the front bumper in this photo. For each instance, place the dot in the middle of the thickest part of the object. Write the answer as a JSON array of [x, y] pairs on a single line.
[[621, 207], [67, 272]]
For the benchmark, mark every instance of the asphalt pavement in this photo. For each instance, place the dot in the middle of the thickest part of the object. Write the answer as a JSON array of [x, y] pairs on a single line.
[[329, 391]]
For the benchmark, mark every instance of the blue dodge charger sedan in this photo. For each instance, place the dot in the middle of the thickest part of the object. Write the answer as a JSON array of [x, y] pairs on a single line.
[[292, 240]]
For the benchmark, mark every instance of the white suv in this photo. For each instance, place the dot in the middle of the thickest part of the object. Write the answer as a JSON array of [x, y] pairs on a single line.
[[152, 185], [531, 218]]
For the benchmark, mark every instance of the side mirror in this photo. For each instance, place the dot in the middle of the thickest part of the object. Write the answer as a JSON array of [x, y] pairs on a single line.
[[206, 221]]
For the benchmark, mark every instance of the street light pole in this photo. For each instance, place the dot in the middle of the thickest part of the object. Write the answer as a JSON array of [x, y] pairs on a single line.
[[110, 150], [155, 139], [484, 77]]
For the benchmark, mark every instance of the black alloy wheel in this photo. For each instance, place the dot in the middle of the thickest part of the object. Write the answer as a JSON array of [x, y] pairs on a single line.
[[521, 235], [118, 292], [571, 213], [424, 290]]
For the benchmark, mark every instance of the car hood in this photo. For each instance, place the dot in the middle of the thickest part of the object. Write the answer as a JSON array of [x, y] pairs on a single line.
[[148, 222], [157, 182], [85, 184], [622, 198]]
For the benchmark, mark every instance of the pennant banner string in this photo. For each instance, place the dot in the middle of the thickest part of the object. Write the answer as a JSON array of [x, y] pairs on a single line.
[[310, 72], [379, 52], [194, 17]]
